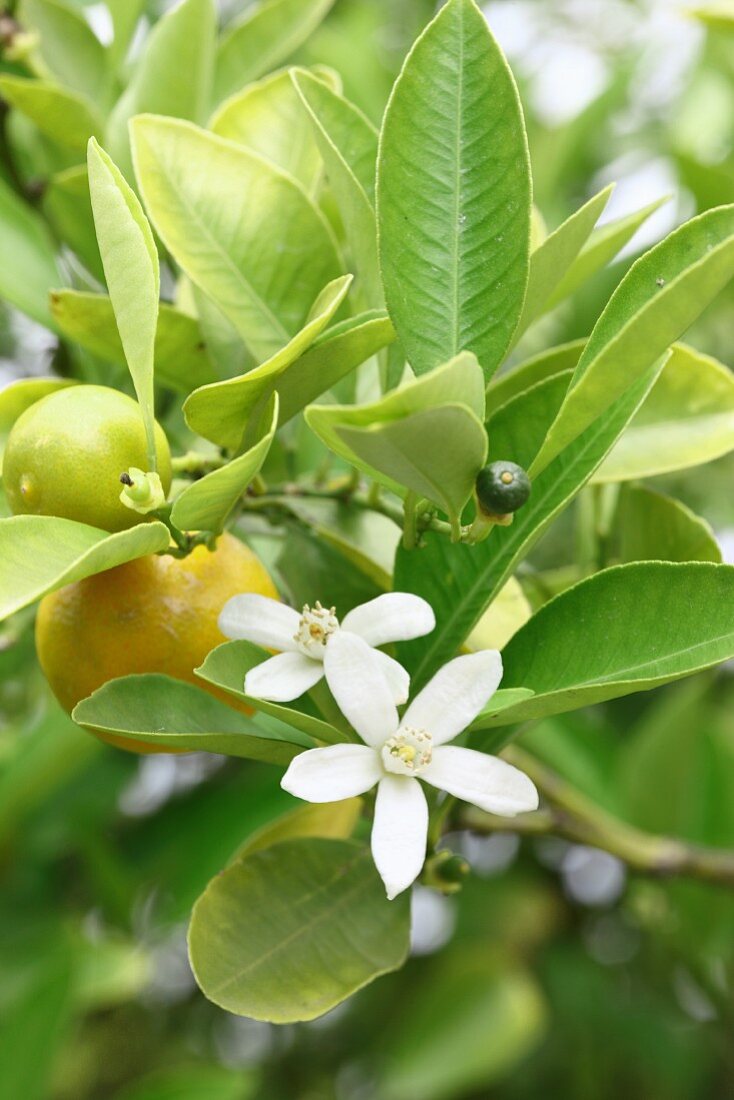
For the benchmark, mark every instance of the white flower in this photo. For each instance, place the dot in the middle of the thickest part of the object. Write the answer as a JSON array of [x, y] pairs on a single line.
[[305, 640], [396, 752]]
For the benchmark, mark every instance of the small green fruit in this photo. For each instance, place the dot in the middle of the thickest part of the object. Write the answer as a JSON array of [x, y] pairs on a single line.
[[502, 488]]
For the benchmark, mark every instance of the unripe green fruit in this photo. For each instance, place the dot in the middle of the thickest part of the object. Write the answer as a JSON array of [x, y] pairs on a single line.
[[502, 488], [65, 454]]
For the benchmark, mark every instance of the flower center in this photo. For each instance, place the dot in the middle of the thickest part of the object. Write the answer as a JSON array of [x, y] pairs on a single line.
[[315, 628], [408, 752]]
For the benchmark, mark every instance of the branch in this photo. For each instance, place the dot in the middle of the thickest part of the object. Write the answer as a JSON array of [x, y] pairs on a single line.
[[573, 816]]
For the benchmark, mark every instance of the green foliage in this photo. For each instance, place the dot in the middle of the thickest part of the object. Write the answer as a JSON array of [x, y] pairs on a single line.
[[183, 717], [262, 939], [130, 262], [454, 211], [264, 264], [659, 298], [42, 553]]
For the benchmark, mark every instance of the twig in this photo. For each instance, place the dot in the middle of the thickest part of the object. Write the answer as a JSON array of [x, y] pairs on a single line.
[[573, 816]]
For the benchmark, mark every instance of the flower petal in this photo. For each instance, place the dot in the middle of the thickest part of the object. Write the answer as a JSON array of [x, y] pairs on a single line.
[[454, 697], [358, 683], [399, 832], [261, 620], [485, 781], [396, 676], [392, 617], [283, 677], [332, 773]]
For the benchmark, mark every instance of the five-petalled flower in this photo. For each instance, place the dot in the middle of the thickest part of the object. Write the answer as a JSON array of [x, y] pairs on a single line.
[[398, 752], [306, 641]]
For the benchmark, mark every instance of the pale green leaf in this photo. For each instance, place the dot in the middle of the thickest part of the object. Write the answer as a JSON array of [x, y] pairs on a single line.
[[650, 526], [264, 38], [205, 504], [687, 419], [226, 667], [394, 439], [551, 260], [172, 714], [23, 235], [19, 396], [602, 246], [461, 581], [181, 361], [544, 365], [454, 195], [327, 820], [43, 553], [659, 298], [173, 75], [348, 145], [404, 455], [505, 615], [69, 49], [268, 118], [264, 262], [130, 262], [222, 411], [287, 933], [63, 115], [629, 628]]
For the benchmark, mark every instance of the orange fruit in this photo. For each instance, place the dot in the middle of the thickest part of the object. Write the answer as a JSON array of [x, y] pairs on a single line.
[[155, 614], [65, 454]]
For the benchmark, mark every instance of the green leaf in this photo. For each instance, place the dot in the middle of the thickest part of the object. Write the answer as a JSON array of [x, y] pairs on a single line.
[[68, 207], [497, 1017], [206, 504], [687, 419], [327, 820], [348, 145], [454, 195], [650, 526], [175, 715], [68, 118], [125, 15], [43, 553], [173, 75], [69, 48], [551, 260], [19, 396], [264, 38], [720, 16], [659, 298], [289, 932], [516, 430], [602, 246], [262, 262], [461, 581], [267, 118], [181, 361], [365, 538], [130, 261], [23, 235], [226, 668], [222, 411], [527, 374], [626, 629], [333, 356], [394, 439], [505, 615]]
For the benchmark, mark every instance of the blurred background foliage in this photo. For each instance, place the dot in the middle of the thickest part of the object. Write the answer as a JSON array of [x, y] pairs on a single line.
[[555, 973]]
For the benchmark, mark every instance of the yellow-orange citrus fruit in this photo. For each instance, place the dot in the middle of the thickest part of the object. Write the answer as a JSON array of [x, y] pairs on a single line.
[[65, 454], [155, 614]]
